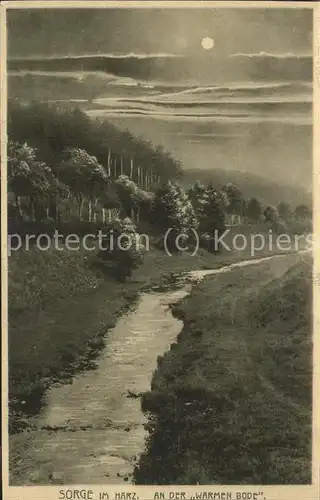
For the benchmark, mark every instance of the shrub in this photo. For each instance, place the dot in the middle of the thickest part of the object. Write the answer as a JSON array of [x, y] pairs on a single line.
[[123, 250]]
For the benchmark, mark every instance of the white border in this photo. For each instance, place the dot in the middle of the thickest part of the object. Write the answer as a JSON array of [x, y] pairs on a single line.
[[310, 492]]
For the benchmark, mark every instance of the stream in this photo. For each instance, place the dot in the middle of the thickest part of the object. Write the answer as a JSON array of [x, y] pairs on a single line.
[[92, 430]]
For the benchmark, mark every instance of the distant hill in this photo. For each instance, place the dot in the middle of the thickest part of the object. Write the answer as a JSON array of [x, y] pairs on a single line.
[[255, 67], [251, 185]]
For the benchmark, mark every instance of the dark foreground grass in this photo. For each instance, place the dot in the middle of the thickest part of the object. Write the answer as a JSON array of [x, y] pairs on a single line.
[[231, 401]]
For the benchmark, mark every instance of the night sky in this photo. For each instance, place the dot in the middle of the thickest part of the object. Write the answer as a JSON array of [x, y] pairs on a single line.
[[236, 128], [178, 31]]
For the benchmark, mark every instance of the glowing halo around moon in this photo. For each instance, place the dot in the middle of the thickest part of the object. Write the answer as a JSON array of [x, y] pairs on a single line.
[[207, 43]]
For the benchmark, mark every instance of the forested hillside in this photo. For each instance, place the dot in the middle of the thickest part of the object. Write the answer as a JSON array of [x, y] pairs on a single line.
[[52, 128], [64, 166]]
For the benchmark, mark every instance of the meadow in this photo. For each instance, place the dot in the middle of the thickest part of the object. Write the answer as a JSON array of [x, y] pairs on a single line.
[[230, 403]]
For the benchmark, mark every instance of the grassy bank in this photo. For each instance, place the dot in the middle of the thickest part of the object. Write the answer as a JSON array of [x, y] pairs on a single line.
[[60, 307], [231, 401]]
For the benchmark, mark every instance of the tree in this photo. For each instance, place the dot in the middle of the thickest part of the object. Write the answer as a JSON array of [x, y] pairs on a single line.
[[172, 210], [84, 175], [20, 158], [109, 200], [209, 205], [212, 216], [270, 214], [124, 250], [197, 194], [303, 213], [127, 191], [28, 177], [143, 204], [284, 210], [254, 209], [56, 193], [235, 199]]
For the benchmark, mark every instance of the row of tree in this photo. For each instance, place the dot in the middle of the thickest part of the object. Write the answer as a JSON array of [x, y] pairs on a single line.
[[80, 179], [254, 211]]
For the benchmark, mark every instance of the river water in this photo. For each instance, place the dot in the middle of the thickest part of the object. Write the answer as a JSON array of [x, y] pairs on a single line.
[[92, 431]]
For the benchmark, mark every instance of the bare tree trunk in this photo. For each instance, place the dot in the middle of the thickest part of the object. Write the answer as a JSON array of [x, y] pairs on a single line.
[[132, 214], [121, 165], [95, 209], [131, 169], [138, 215], [138, 180], [103, 215], [33, 212], [72, 201], [109, 163], [80, 209], [69, 207], [90, 210], [57, 215], [18, 205], [47, 212], [115, 168], [109, 215]]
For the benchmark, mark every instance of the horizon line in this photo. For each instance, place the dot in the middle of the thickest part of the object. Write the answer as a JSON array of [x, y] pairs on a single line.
[[151, 55]]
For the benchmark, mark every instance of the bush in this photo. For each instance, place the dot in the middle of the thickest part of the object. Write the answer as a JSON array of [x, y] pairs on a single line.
[[123, 250]]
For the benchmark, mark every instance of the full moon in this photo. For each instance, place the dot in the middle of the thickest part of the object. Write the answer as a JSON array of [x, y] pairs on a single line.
[[207, 43]]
